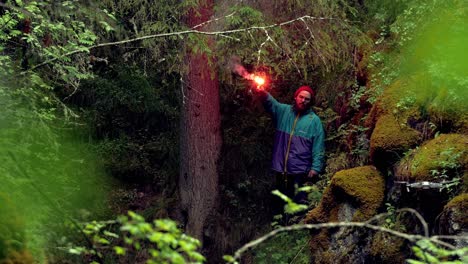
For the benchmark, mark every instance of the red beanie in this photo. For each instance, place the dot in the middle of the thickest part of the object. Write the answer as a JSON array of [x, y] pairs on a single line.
[[304, 88]]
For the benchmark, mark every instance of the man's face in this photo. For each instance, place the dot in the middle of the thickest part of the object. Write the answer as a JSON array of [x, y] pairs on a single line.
[[302, 100]]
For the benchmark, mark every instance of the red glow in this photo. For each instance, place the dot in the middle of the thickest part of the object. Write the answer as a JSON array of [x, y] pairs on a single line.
[[259, 80]]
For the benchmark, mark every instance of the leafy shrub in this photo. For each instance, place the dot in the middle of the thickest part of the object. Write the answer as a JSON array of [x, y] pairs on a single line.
[[159, 241]]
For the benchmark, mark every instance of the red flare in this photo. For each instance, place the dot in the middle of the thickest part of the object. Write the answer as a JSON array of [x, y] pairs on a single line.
[[259, 80]]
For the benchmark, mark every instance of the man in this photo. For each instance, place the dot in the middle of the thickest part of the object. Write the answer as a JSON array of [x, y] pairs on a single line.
[[298, 152]]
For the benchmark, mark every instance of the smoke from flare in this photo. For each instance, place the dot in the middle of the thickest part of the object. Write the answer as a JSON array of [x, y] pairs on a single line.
[[237, 68]]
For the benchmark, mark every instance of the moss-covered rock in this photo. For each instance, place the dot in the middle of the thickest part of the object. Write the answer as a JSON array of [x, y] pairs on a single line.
[[390, 139], [353, 195], [396, 100], [442, 158], [449, 112], [416, 101], [459, 208], [361, 186], [365, 186], [454, 218], [386, 248]]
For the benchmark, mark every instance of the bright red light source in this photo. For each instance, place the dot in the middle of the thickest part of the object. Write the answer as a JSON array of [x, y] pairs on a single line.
[[259, 80]]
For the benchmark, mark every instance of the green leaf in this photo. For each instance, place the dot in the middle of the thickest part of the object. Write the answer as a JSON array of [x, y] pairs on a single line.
[[119, 250], [128, 240], [76, 250], [103, 241], [137, 245], [282, 196], [107, 233], [229, 259], [155, 237]]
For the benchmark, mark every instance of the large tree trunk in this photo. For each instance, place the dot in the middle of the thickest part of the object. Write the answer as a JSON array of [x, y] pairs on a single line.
[[200, 133]]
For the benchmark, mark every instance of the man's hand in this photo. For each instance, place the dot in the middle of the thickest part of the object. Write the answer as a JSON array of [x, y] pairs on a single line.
[[312, 174], [259, 90]]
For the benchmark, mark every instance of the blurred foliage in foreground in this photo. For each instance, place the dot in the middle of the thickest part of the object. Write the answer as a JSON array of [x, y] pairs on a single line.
[[131, 237], [47, 174], [427, 41]]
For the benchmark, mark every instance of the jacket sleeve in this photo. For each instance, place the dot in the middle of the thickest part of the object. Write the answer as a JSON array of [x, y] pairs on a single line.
[[271, 105], [318, 147]]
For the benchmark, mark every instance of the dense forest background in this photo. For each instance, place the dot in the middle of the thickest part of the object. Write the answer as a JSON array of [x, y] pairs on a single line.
[[130, 132]]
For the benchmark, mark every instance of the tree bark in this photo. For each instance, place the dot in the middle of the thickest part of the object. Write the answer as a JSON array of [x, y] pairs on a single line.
[[200, 142]]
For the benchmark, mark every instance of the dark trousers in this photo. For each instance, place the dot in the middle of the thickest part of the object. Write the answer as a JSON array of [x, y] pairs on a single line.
[[289, 183]]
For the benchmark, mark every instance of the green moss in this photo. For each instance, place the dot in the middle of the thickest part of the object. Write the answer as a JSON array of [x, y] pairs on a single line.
[[365, 185], [361, 186], [391, 137], [459, 205], [396, 100], [460, 201], [440, 158], [449, 109], [12, 238], [464, 187], [321, 213], [326, 211], [387, 248], [392, 96], [18, 257]]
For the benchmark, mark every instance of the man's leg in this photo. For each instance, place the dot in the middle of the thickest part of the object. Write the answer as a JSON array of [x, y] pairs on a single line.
[[300, 196], [278, 203]]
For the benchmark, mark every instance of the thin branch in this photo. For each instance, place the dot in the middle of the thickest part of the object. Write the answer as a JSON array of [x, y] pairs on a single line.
[[132, 20], [213, 20], [18, 9], [179, 33], [297, 254], [284, 51], [66, 110], [409, 237], [6, 23], [451, 237], [410, 210], [229, 37], [316, 50], [261, 45], [182, 90], [184, 85]]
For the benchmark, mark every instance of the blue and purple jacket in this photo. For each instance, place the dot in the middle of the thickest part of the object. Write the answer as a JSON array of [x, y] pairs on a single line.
[[299, 139]]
